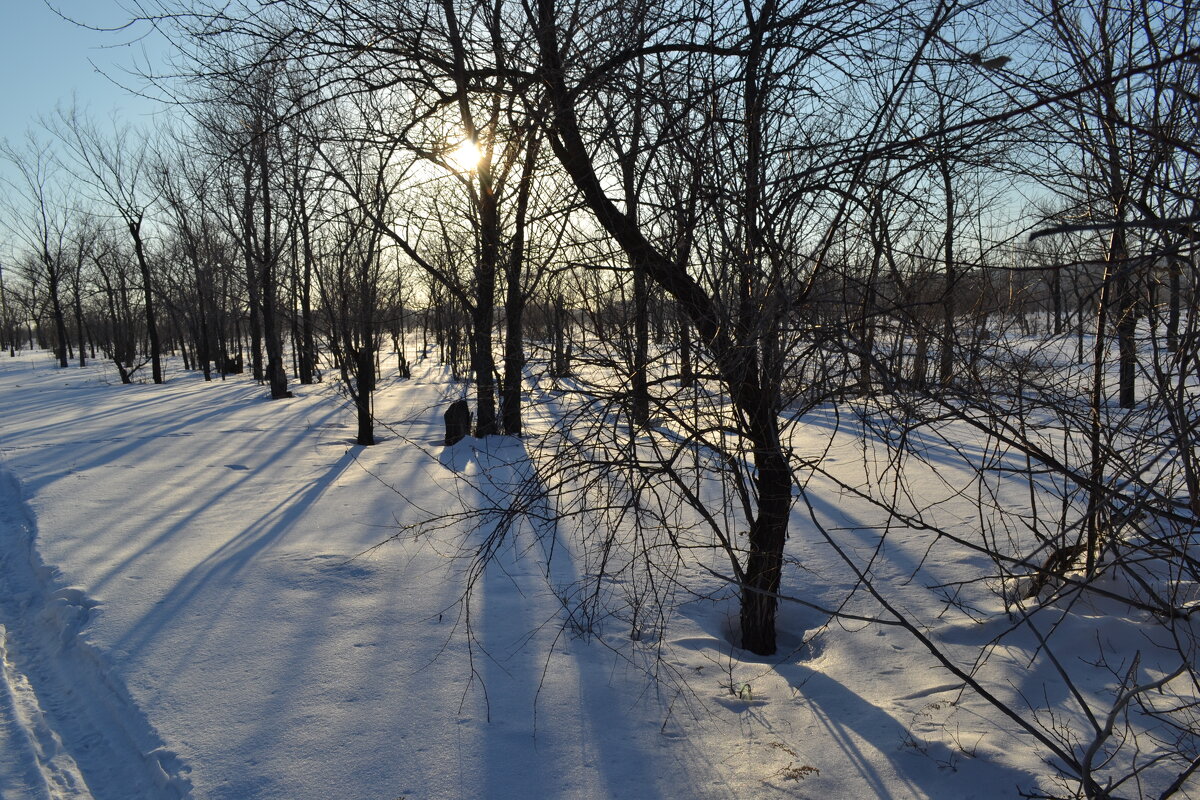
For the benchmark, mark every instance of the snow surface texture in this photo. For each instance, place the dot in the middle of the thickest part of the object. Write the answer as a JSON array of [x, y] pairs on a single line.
[[207, 627], [67, 722]]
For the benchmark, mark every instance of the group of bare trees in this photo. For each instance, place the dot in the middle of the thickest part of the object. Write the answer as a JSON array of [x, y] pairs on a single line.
[[709, 216]]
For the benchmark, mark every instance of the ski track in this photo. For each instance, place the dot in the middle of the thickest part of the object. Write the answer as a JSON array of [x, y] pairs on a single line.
[[68, 727]]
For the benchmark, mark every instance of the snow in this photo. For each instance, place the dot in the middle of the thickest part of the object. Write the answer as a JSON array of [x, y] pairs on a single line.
[[194, 605]]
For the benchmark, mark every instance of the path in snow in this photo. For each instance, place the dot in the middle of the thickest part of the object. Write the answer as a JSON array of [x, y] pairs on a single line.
[[68, 729]]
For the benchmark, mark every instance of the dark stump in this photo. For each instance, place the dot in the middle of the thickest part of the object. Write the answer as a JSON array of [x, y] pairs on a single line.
[[458, 422]]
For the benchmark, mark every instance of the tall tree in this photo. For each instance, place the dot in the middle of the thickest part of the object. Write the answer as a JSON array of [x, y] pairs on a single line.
[[40, 214], [115, 167], [753, 57]]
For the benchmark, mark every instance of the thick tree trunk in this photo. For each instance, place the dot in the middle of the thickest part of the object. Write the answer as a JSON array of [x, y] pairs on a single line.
[[483, 362], [253, 288], [687, 373], [1056, 298], [308, 346], [753, 398], [560, 354], [920, 360], [1174, 305], [365, 388], [514, 360], [768, 533], [204, 345], [276, 373]]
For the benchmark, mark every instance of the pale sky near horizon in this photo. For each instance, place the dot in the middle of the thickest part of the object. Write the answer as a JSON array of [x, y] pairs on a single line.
[[44, 59]]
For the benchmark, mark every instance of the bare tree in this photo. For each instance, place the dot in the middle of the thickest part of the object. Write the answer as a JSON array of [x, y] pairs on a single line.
[[116, 170], [40, 213]]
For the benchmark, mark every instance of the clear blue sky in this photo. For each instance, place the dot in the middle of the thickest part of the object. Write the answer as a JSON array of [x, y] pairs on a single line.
[[44, 58]]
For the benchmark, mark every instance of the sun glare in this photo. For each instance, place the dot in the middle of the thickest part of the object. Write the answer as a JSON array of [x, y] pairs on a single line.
[[465, 157]]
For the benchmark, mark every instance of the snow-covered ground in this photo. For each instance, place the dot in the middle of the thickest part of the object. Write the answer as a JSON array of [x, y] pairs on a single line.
[[191, 607]]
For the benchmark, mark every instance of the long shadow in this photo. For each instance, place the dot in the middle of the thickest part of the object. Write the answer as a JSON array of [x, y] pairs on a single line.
[[222, 566], [99, 450], [124, 557], [919, 766], [544, 692], [503, 600], [860, 538], [138, 401]]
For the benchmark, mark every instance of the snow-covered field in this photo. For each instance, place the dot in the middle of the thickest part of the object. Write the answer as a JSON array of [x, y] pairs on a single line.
[[191, 607]]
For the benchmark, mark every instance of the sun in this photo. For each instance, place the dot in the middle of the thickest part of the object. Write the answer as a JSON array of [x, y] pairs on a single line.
[[465, 156]]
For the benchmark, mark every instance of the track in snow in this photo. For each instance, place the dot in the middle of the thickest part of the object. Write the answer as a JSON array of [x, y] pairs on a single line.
[[68, 728]]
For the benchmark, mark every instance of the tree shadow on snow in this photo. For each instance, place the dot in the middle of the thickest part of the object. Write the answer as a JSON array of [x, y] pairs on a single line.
[[546, 698], [221, 567]]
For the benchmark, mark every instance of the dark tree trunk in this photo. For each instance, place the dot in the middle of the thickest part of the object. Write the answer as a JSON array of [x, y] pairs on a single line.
[[253, 287], [204, 346], [946, 367], [1126, 338], [79, 327], [560, 348], [920, 360], [1174, 306], [514, 358], [1056, 300], [764, 563], [268, 273], [135, 230], [753, 396], [204, 340], [60, 324], [514, 303], [687, 375], [307, 343], [483, 362], [276, 374], [640, 382], [365, 388]]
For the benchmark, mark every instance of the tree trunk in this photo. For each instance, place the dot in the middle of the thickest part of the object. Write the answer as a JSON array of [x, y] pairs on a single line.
[[365, 388], [946, 367], [135, 230], [1174, 306], [1126, 338], [753, 398], [514, 303], [483, 362], [639, 380], [768, 532], [60, 324], [276, 374], [920, 360], [1056, 298], [307, 343], [687, 374], [79, 327], [268, 271]]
